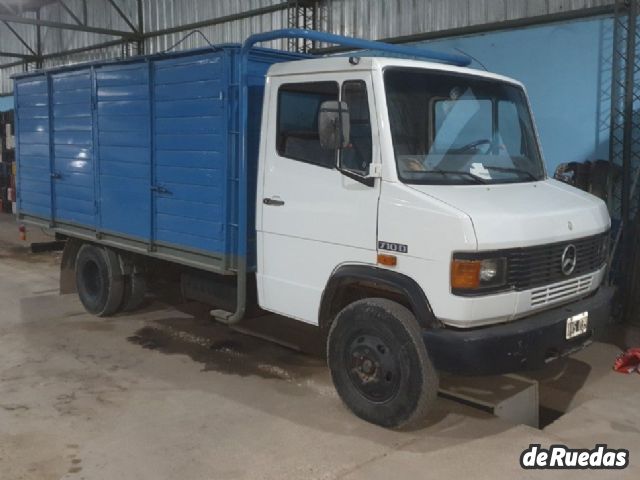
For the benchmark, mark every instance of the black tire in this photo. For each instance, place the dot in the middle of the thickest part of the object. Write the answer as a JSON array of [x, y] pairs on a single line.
[[99, 280], [135, 288], [379, 364]]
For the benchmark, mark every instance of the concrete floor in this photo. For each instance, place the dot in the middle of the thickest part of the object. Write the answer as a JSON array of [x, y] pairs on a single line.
[[167, 394]]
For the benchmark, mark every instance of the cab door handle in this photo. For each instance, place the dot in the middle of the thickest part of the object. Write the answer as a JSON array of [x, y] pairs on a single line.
[[273, 201]]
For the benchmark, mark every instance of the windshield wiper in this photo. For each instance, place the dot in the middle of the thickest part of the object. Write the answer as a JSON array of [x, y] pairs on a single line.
[[472, 176], [530, 175]]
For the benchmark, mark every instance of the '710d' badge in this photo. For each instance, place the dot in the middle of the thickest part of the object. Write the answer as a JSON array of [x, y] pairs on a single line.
[[393, 247]]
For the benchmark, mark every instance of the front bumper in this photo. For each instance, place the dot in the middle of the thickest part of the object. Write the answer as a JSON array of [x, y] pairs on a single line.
[[524, 344]]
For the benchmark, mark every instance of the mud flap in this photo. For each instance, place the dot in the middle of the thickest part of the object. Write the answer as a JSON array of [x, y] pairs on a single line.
[[68, 266]]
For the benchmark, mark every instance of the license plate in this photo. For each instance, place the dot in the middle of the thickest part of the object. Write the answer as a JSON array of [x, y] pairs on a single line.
[[577, 325]]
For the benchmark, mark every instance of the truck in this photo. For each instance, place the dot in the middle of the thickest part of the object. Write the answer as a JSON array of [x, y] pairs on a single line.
[[391, 196]]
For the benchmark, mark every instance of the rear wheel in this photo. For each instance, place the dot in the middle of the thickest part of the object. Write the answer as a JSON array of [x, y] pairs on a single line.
[[99, 280], [379, 363], [135, 287]]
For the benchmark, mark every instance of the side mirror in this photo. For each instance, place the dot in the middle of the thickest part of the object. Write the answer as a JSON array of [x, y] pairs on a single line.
[[333, 125], [566, 172]]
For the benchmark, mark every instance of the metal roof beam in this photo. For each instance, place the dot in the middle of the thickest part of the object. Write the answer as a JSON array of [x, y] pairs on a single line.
[[216, 21], [63, 26], [19, 37], [123, 15], [8, 7], [66, 8], [24, 56], [140, 26], [97, 46], [12, 64]]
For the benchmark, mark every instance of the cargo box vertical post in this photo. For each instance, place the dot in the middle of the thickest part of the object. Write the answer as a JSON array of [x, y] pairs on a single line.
[[152, 155], [95, 153], [53, 175], [16, 132]]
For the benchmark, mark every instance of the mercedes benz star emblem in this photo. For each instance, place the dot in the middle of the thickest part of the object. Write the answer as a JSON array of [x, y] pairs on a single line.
[[569, 260]]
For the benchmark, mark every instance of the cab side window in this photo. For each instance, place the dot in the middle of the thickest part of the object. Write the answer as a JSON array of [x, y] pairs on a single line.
[[357, 156], [297, 132]]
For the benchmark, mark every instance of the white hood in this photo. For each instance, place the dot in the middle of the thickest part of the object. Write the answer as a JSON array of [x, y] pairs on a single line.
[[524, 214]]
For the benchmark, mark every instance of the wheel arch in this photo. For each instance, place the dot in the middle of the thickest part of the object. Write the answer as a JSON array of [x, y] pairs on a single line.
[[349, 281]]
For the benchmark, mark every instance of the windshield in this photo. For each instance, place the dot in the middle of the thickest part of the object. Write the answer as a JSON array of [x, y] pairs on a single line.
[[456, 129]]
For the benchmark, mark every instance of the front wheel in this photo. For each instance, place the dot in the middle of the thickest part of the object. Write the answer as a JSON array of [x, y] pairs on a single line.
[[379, 364]]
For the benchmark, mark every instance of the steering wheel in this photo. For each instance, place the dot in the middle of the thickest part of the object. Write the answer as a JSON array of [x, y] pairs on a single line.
[[473, 145]]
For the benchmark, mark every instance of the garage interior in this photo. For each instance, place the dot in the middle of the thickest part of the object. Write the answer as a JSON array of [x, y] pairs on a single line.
[[166, 392]]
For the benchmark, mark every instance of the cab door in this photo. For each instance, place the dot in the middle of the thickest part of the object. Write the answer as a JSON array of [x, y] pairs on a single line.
[[316, 210]]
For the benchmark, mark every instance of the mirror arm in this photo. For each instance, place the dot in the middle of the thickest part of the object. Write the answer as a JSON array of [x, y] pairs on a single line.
[[368, 181]]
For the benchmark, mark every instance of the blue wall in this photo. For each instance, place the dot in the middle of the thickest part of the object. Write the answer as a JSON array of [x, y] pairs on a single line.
[[6, 103], [565, 67]]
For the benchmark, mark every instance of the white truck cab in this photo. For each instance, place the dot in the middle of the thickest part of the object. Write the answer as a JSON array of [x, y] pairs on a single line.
[[435, 196]]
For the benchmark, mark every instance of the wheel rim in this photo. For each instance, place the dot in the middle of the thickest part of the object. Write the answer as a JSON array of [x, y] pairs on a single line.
[[92, 279], [373, 367]]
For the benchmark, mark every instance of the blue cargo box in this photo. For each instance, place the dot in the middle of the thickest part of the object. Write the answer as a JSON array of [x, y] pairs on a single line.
[[141, 154]]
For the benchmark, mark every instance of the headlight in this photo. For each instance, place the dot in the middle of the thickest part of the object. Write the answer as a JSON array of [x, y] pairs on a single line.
[[489, 270], [476, 275]]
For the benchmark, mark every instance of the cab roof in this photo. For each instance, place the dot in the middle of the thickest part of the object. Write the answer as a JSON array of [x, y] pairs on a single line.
[[343, 63]]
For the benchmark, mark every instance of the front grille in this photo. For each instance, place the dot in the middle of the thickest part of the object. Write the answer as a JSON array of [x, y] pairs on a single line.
[[560, 291], [532, 267]]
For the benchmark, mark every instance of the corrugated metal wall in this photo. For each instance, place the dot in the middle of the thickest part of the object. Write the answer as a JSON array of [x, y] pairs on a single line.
[[163, 14], [362, 18], [392, 18]]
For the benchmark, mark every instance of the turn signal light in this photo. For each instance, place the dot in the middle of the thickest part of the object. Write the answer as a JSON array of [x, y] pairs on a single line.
[[387, 260], [465, 274]]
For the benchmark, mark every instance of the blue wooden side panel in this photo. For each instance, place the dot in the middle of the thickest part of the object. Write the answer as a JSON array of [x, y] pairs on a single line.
[[191, 151], [145, 149], [73, 153], [124, 149], [34, 169]]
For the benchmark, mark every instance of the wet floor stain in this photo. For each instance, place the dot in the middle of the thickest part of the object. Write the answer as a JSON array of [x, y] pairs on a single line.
[[220, 349], [13, 407], [75, 461]]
